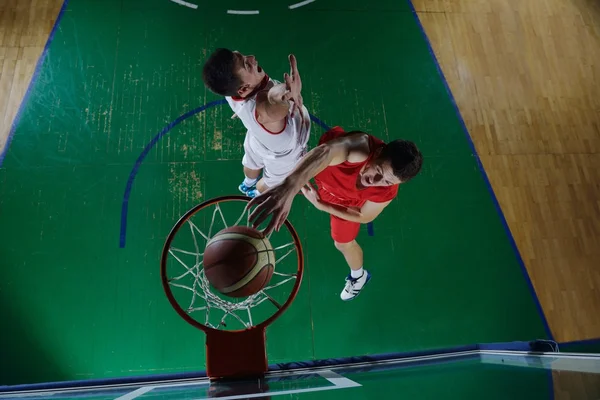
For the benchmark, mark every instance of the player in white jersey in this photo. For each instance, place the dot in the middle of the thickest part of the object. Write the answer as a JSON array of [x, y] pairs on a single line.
[[277, 123]]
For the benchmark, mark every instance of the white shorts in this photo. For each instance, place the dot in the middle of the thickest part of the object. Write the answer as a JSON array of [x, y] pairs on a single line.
[[275, 167]]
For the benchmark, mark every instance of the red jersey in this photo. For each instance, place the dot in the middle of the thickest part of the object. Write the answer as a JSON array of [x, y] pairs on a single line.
[[337, 183]]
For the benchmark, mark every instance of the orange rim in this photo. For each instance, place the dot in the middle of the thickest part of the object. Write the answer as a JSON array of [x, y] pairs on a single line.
[[167, 288]]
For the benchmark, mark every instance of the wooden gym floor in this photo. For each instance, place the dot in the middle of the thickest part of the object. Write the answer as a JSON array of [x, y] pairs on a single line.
[[525, 76]]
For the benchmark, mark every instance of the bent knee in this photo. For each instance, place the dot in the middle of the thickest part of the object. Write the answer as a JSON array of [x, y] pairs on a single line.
[[262, 186], [344, 246]]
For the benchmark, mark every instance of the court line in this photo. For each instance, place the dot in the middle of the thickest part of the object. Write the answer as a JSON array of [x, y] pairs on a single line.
[[319, 122], [302, 3], [133, 173], [375, 362], [185, 3], [151, 144], [594, 341], [337, 379], [136, 393], [536, 300], [32, 83], [101, 385], [142, 156], [243, 12], [283, 392]]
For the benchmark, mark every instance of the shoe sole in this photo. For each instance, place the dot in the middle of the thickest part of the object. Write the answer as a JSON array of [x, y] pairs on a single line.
[[363, 288]]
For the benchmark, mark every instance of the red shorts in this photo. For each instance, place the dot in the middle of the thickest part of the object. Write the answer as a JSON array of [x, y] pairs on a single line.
[[343, 231]]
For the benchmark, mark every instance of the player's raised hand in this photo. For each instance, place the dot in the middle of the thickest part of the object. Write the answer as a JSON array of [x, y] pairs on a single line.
[[293, 84], [276, 201]]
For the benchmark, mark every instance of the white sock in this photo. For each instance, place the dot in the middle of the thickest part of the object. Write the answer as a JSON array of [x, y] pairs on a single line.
[[357, 274], [250, 181]]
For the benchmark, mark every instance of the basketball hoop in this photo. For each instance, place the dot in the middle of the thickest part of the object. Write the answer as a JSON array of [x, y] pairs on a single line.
[[234, 327]]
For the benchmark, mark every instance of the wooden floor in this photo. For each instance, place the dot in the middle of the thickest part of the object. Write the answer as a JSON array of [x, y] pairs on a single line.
[[24, 29], [526, 77]]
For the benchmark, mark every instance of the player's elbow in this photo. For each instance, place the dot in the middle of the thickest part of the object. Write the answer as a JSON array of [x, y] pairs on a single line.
[[366, 219], [368, 216]]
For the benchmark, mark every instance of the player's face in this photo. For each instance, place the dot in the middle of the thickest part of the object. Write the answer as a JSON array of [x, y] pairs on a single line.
[[250, 73], [378, 173]]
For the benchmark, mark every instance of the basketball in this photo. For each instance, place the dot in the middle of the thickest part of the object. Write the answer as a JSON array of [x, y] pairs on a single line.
[[239, 261]]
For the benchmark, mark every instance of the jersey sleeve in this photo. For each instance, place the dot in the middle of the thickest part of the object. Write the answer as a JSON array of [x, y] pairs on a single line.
[[384, 194], [331, 134]]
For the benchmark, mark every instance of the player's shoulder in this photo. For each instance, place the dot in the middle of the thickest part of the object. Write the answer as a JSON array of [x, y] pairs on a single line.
[[359, 151], [339, 133], [356, 143]]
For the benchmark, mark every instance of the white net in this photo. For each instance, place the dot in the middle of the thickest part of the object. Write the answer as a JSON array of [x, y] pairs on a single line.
[[194, 293]]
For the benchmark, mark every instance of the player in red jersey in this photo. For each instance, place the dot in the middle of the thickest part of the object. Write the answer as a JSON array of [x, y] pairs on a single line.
[[357, 176]]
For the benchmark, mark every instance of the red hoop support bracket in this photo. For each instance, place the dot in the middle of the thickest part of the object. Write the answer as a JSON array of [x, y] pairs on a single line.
[[231, 353]]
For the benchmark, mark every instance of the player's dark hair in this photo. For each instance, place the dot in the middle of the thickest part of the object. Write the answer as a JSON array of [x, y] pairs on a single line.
[[405, 157], [219, 75]]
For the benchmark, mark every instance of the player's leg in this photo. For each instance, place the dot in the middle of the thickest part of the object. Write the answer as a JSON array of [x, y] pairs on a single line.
[[344, 235], [276, 169], [353, 254], [261, 186], [253, 166], [250, 179]]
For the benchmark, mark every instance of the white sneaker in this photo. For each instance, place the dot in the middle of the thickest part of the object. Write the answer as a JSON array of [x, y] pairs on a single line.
[[354, 286]]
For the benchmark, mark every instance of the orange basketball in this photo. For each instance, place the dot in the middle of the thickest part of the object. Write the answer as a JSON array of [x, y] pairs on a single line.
[[239, 261]]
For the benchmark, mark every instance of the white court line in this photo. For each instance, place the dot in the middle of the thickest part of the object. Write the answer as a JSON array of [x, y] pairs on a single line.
[[242, 12], [92, 389], [136, 393], [185, 3], [338, 380], [302, 3]]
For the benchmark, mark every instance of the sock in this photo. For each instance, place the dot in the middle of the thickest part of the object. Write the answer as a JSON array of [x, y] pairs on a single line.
[[256, 192], [356, 274], [249, 182]]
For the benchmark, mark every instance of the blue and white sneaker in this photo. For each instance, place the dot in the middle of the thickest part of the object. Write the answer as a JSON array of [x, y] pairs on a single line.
[[245, 189], [354, 286], [252, 193]]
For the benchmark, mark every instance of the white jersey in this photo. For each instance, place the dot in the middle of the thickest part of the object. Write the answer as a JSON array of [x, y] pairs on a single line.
[[272, 145]]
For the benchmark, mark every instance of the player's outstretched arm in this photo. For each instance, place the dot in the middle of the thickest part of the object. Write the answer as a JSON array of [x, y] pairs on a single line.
[[273, 106], [368, 212], [277, 201]]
